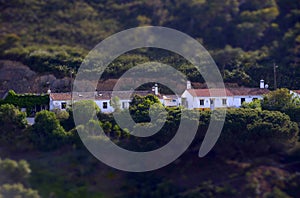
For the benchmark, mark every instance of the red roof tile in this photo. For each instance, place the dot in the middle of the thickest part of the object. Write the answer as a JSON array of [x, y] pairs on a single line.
[[296, 91], [241, 91], [245, 91], [101, 95], [60, 96], [209, 92]]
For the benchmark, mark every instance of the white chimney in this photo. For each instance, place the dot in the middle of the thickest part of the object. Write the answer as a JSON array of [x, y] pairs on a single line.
[[188, 85], [156, 89], [262, 84]]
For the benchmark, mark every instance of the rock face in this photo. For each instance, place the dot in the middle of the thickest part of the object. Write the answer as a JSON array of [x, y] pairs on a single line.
[[20, 78]]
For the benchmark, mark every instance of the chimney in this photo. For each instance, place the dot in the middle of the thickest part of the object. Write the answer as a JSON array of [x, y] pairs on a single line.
[[188, 85], [156, 89], [262, 84]]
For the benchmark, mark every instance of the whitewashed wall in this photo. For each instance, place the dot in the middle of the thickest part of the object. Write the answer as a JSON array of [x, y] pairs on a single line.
[[237, 100], [57, 104]]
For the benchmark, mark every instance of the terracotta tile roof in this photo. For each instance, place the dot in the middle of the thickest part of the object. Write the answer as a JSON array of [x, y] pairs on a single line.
[[296, 91], [76, 96], [240, 91], [245, 91], [107, 95], [60, 96], [209, 92], [100, 95]]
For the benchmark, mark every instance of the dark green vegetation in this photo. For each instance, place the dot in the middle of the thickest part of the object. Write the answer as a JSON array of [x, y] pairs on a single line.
[[14, 179], [256, 155], [245, 37], [28, 101], [258, 152]]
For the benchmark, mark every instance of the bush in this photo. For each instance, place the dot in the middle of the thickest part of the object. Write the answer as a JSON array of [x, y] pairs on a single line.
[[13, 172], [84, 110], [251, 132], [17, 190], [13, 123], [47, 133]]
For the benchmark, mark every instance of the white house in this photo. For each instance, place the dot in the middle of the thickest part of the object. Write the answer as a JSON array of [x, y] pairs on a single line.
[[170, 100], [206, 98], [191, 98], [220, 98], [102, 99], [243, 94], [60, 100], [296, 93]]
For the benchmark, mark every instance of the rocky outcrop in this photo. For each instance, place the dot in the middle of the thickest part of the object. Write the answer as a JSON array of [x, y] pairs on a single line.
[[20, 78]]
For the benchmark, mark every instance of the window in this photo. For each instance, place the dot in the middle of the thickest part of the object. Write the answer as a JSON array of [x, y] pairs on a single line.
[[124, 105], [201, 102], [211, 101], [243, 100], [104, 105], [63, 105], [224, 101]]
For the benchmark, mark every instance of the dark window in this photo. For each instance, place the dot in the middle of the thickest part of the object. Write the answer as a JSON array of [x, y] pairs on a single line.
[[63, 105], [38, 108], [201, 102], [243, 100], [211, 101], [104, 105], [224, 101]]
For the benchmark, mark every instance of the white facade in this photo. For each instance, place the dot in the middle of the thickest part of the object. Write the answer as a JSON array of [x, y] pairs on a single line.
[[238, 100], [170, 101], [201, 99], [191, 98], [105, 105], [59, 104], [63, 101], [204, 102], [295, 93]]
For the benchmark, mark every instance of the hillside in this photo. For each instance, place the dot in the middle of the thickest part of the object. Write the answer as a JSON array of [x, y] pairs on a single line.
[[245, 37]]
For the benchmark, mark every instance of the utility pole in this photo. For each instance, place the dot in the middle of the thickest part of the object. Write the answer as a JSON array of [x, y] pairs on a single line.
[[275, 80], [71, 80]]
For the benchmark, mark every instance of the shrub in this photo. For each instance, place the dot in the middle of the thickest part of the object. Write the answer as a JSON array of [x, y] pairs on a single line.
[[47, 133]]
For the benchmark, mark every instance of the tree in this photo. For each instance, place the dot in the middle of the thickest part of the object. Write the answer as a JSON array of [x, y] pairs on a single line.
[[17, 190], [12, 171], [14, 175], [84, 111], [255, 104], [278, 100], [13, 123], [47, 133], [139, 107], [9, 114], [115, 103], [252, 132], [65, 118], [107, 127]]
